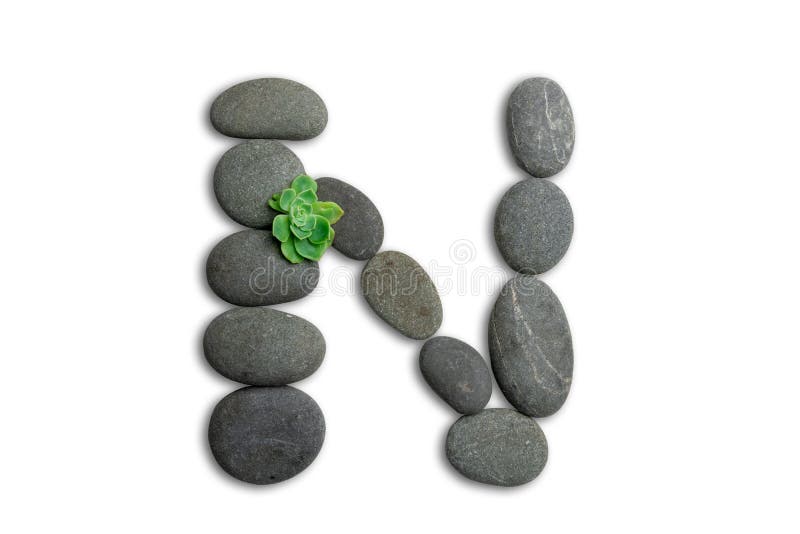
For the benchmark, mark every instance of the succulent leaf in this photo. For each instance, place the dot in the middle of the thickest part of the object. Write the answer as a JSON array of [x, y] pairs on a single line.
[[287, 197], [299, 233], [311, 222], [321, 231], [330, 210], [280, 228], [309, 250], [274, 203], [304, 183], [289, 252]]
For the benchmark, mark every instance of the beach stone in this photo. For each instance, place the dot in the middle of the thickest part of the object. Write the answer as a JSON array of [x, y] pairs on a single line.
[[533, 226], [249, 174], [359, 233], [263, 347], [399, 290], [266, 435], [248, 269], [540, 126], [457, 373], [269, 108], [530, 346], [497, 446]]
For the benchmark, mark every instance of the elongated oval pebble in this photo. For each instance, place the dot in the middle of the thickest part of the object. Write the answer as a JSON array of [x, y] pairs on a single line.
[[359, 233], [457, 373]]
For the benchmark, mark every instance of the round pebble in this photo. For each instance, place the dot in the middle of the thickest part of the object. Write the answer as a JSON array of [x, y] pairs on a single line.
[[248, 269], [530, 346], [269, 108], [266, 435], [399, 290], [497, 446], [457, 373], [359, 233], [263, 347], [541, 129], [533, 226], [249, 174]]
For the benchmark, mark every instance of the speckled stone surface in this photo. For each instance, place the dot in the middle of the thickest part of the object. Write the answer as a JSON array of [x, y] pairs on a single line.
[[497, 446], [266, 435], [533, 226], [359, 233], [399, 290], [263, 347], [249, 174], [248, 269], [531, 347], [269, 108], [457, 373], [541, 129]]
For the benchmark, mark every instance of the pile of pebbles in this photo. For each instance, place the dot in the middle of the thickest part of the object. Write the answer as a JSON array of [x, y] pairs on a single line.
[[269, 431]]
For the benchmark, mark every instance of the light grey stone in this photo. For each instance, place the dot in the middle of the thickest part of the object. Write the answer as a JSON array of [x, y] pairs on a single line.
[[530, 346], [541, 129], [248, 269], [533, 226], [359, 233], [263, 347], [497, 446], [269, 108], [266, 435], [457, 373], [249, 174]]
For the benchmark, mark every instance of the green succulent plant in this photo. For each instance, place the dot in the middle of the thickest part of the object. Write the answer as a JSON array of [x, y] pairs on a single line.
[[304, 226]]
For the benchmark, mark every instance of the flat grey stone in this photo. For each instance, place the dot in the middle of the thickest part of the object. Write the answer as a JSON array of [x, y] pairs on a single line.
[[541, 129], [359, 233], [263, 347], [266, 435], [269, 108], [399, 290], [531, 347], [533, 226], [248, 269], [497, 446], [457, 373], [249, 174]]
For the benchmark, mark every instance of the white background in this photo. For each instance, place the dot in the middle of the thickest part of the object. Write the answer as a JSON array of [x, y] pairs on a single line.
[[681, 284]]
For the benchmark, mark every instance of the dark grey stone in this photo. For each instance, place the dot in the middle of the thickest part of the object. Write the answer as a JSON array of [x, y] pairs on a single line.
[[269, 108], [457, 373], [497, 446], [400, 291], [248, 269], [263, 347], [541, 129], [531, 347], [249, 174], [533, 226], [266, 435], [359, 233]]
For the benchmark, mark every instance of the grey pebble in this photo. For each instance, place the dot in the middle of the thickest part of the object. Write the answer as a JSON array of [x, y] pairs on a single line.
[[497, 446], [457, 373], [266, 435], [541, 129], [531, 347], [249, 174], [248, 269], [399, 290], [359, 233], [263, 347], [269, 108], [533, 225]]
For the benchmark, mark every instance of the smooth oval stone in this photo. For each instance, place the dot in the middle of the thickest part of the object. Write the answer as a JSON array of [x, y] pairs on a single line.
[[399, 290], [457, 373], [269, 108], [359, 233], [248, 269], [249, 174], [541, 129], [531, 347], [263, 347], [533, 226], [497, 446], [266, 435]]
